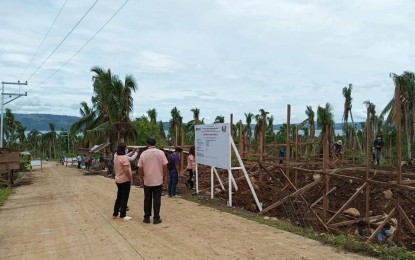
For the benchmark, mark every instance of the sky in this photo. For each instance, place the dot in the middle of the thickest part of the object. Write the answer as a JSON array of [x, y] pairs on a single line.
[[221, 56]]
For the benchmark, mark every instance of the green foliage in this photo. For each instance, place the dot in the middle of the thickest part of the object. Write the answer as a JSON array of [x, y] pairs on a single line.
[[4, 194], [145, 128]]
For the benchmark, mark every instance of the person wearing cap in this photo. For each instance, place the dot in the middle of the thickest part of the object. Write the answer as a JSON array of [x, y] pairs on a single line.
[[338, 149], [152, 169]]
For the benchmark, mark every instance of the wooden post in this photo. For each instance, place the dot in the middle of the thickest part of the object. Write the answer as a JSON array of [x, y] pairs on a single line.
[[288, 152], [181, 156], [296, 156], [231, 126], [368, 138], [325, 167], [241, 139], [261, 139], [399, 151], [177, 134]]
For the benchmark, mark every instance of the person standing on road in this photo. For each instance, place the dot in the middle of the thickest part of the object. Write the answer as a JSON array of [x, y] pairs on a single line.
[[191, 166], [153, 172], [131, 156], [79, 159], [173, 172], [123, 179]]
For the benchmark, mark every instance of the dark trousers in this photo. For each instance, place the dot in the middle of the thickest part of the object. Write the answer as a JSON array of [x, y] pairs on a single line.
[[123, 194], [152, 197], [190, 180], [79, 164], [173, 177]]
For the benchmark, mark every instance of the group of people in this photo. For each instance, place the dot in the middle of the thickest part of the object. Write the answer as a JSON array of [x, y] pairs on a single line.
[[153, 166], [376, 149], [87, 160]]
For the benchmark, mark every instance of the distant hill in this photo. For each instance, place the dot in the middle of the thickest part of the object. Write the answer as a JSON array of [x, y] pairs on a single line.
[[41, 122]]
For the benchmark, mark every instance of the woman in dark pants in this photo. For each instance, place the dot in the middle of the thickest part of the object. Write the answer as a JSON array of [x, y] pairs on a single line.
[[191, 165], [123, 179]]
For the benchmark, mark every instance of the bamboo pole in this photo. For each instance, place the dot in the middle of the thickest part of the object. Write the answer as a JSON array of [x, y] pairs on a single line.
[[368, 138], [181, 155], [325, 166], [288, 152], [399, 151]]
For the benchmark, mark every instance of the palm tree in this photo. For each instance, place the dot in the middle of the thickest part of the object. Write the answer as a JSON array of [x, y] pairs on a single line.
[[33, 140], [406, 82], [85, 123], [20, 130], [112, 103], [248, 129], [347, 94], [219, 119], [9, 128], [51, 138], [175, 124], [310, 121], [325, 118], [373, 118], [152, 115]]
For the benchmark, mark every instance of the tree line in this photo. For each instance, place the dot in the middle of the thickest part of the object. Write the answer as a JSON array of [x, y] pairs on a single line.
[[108, 120]]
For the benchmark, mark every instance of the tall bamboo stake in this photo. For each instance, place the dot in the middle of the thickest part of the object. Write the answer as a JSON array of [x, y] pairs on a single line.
[[399, 150], [368, 138], [288, 152]]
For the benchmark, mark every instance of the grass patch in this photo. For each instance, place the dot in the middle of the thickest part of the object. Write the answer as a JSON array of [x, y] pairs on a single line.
[[4, 194], [347, 243]]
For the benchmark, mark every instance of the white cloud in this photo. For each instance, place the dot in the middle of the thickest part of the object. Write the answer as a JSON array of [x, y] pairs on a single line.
[[220, 56]]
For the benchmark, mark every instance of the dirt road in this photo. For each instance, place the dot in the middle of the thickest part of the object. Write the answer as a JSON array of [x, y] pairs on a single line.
[[63, 214]]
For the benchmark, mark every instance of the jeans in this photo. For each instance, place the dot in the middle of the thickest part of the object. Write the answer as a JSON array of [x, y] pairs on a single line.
[[173, 177], [123, 194], [152, 197]]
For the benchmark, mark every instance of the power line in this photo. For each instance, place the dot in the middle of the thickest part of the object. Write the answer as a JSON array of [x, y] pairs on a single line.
[[44, 38], [62, 40], [83, 46]]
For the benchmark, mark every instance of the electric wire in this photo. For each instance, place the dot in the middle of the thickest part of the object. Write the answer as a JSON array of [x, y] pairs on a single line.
[[90, 8], [83, 46], [44, 38]]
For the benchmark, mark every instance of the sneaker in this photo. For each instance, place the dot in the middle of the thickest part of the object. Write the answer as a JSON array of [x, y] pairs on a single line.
[[177, 196], [157, 221], [127, 218], [146, 220]]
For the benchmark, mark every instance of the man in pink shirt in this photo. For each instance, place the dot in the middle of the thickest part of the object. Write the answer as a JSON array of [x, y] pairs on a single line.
[[153, 172]]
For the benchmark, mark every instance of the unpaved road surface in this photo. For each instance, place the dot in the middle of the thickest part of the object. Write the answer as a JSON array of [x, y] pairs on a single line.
[[63, 214]]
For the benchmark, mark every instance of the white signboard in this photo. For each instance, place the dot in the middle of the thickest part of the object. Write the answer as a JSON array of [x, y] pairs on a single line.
[[36, 162], [213, 145]]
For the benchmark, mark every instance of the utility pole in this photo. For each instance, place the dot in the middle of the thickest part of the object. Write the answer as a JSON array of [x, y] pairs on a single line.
[[17, 95]]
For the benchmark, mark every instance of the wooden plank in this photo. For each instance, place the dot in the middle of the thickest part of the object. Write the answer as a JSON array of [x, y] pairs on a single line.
[[11, 166], [390, 215], [299, 191], [347, 202], [405, 217], [354, 221], [9, 157]]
